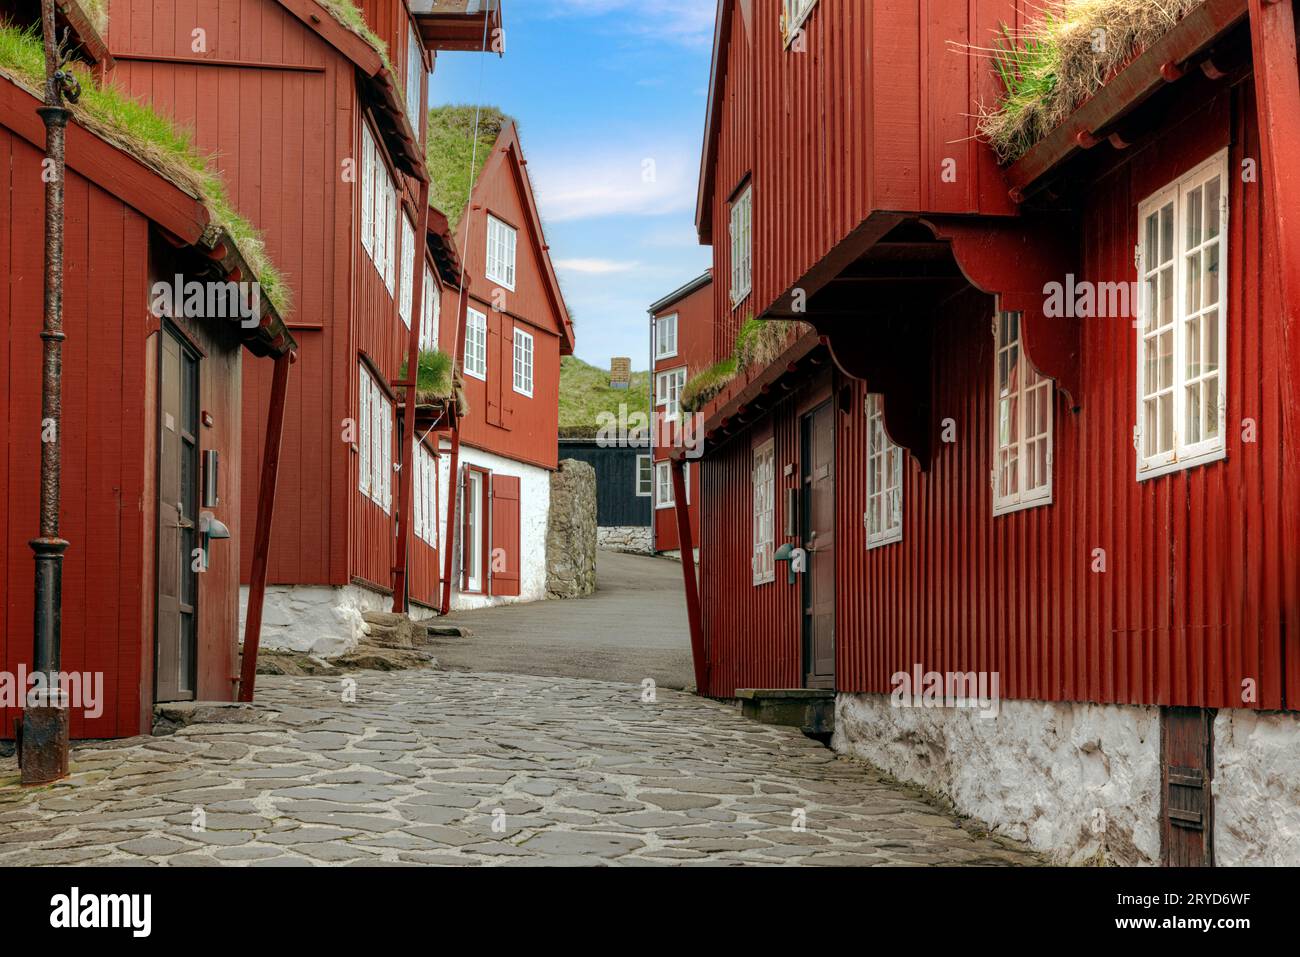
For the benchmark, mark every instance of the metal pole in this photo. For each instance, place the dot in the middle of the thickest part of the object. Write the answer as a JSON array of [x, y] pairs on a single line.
[[44, 749], [265, 514]]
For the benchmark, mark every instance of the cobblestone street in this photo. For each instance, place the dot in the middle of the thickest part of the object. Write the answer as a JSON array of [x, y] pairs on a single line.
[[434, 767]]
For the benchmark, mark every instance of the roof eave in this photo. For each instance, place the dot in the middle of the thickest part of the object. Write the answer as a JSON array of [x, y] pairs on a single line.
[[677, 295], [460, 25], [712, 120]]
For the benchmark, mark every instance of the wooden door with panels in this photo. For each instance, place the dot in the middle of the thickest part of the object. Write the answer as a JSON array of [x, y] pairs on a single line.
[[1186, 773], [817, 481]]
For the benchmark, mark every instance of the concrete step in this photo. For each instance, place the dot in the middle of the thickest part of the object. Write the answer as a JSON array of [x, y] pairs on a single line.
[[811, 710]]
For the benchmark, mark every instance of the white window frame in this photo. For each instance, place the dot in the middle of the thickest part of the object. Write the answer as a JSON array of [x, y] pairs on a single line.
[[407, 285], [431, 309], [476, 344], [742, 245], [664, 497], [523, 363], [1026, 389], [668, 393], [390, 257], [645, 483], [793, 15], [379, 250], [415, 79], [884, 516], [365, 386], [763, 525], [1152, 266], [387, 419], [367, 191], [502, 250], [666, 337], [426, 495]]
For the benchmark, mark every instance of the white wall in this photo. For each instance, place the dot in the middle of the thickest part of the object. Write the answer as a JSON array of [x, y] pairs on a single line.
[[534, 512], [1256, 788], [322, 620]]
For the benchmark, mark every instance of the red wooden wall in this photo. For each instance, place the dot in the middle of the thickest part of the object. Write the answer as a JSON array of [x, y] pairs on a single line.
[[695, 351], [1189, 605]]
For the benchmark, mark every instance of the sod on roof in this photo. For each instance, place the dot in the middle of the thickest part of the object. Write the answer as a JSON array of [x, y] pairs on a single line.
[[454, 164], [1061, 59], [154, 140], [349, 15]]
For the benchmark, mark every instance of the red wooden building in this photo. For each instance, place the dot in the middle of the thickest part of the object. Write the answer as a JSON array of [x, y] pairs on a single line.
[[681, 347], [513, 329], [988, 464], [329, 125], [153, 397]]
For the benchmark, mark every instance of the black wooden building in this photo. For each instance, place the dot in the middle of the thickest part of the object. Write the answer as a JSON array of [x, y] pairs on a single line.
[[624, 489]]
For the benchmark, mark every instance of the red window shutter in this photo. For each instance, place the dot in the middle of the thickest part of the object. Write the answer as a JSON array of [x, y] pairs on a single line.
[[496, 372], [504, 553]]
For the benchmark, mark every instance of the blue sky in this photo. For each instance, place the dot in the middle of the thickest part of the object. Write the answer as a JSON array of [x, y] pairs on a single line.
[[601, 87]]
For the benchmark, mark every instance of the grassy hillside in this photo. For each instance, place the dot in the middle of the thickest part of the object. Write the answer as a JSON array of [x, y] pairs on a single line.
[[452, 153], [585, 393]]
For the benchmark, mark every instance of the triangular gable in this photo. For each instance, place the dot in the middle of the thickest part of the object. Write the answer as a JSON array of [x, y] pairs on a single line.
[[508, 150]]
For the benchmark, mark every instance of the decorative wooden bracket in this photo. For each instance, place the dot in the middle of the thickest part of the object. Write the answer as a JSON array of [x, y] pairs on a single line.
[[1017, 260], [894, 357]]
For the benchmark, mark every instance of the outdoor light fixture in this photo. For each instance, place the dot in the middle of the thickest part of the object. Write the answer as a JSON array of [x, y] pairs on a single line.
[[786, 554]]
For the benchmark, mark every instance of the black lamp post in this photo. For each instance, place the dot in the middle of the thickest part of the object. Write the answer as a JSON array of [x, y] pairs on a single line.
[[43, 754]]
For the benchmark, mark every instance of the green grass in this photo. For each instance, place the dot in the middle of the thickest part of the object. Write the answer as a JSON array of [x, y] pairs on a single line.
[[433, 378], [151, 138], [708, 384], [585, 393], [97, 11], [758, 343], [450, 153], [347, 13]]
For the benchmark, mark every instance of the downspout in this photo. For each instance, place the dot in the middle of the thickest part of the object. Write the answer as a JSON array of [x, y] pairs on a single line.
[[1277, 91], [449, 539], [265, 512], [405, 478], [692, 584]]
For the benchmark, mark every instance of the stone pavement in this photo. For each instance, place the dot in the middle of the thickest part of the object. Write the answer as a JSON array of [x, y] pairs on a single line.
[[470, 769], [634, 627]]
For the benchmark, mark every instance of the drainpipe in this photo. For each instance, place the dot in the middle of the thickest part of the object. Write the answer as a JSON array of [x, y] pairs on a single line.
[[43, 752], [651, 439], [1277, 94], [405, 478], [692, 584], [265, 512]]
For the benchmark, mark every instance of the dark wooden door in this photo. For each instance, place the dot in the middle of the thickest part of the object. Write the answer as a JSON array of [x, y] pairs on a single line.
[[178, 496], [818, 534], [1187, 805]]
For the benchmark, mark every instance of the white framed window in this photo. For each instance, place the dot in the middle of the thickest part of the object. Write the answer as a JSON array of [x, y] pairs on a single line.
[[884, 518], [645, 476], [408, 271], [793, 15], [379, 179], [1183, 322], [664, 497], [390, 234], [368, 191], [763, 478], [666, 337], [365, 390], [476, 344], [1022, 446], [387, 448], [501, 241], [431, 312], [523, 362], [668, 393], [742, 245], [425, 498], [414, 80]]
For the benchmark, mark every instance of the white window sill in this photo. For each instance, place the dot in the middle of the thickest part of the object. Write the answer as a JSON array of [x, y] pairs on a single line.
[[508, 287], [481, 376], [519, 391], [1006, 508], [666, 355], [767, 580], [886, 538], [663, 505], [1178, 465]]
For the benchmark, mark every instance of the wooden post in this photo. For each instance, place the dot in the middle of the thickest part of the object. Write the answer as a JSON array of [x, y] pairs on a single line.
[[1277, 92], [265, 512], [449, 540], [682, 509], [406, 477]]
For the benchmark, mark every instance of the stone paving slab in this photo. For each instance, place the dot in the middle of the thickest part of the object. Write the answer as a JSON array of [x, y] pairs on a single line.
[[455, 768]]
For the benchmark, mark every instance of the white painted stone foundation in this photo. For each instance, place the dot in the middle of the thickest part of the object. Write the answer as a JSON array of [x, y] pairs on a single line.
[[631, 538], [1077, 781], [321, 620], [1257, 788]]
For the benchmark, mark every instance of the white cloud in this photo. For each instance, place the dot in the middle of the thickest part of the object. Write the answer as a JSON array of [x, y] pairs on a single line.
[[595, 267], [688, 22], [580, 185]]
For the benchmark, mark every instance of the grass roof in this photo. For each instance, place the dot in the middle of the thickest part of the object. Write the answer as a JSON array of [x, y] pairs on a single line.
[[454, 166], [585, 393], [434, 379], [1056, 63], [349, 15], [154, 140], [759, 342]]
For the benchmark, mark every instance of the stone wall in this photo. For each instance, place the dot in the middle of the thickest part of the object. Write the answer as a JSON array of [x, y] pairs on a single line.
[[322, 620], [629, 538], [1256, 788], [571, 532], [1078, 781]]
